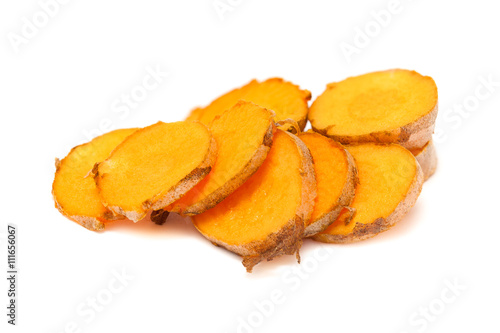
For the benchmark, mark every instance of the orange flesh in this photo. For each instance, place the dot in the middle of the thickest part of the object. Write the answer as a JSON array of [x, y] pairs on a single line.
[[374, 102], [417, 151], [331, 168], [239, 132], [264, 204], [284, 98], [73, 188], [385, 173], [151, 162]]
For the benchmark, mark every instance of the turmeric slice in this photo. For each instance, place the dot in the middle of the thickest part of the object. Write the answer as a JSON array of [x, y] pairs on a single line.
[[427, 158], [154, 167], [244, 136], [284, 98], [336, 177], [390, 181], [394, 106], [75, 193], [265, 217]]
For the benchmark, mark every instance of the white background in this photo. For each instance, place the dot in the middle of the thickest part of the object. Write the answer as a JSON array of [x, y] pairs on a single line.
[[64, 81]]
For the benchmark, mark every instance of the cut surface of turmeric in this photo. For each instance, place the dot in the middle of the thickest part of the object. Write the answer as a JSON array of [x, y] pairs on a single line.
[[75, 192], [390, 181], [265, 217], [154, 167], [244, 136], [336, 178], [394, 106], [284, 98]]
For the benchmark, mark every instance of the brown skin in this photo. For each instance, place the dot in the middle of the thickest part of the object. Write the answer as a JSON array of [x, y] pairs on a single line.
[[159, 217], [250, 168], [91, 223], [288, 239], [290, 126], [174, 193], [411, 136], [427, 158], [343, 201], [364, 231]]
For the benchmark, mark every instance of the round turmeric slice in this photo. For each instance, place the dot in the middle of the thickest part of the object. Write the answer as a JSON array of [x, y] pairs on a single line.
[[154, 167], [74, 190], [244, 136], [336, 178], [284, 98], [394, 106], [390, 181], [265, 217], [427, 158]]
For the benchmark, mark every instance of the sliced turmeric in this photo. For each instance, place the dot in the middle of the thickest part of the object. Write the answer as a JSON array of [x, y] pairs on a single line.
[[265, 217], [336, 177], [244, 135], [284, 98], [427, 158], [74, 191], [154, 167], [394, 106], [390, 181]]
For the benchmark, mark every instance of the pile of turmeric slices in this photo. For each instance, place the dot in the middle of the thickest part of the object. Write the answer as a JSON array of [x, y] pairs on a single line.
[[249, 176]]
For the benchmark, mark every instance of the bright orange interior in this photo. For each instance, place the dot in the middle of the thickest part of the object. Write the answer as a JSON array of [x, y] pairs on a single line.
[[239, 132], [374, 102], [73, 188], [331, 169], [284, 98], [385, 173], [264, 204], [151, 162]]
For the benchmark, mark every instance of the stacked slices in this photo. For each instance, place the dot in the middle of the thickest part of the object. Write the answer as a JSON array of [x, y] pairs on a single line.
[[248, 176]]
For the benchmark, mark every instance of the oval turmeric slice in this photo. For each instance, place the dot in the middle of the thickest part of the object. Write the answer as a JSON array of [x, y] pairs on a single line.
[[244, 136], [74, 190], [427, 158], [154, 167], [264, 218], [394, 106], [284, 98], [336, 178], [390, 181]]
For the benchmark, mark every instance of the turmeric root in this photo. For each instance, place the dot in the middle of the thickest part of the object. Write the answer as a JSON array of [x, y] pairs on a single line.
[[427, 158], [154, 167], [394, 106], [74, 191], [264, 218], [244, 135], [390, 181], [284, 98], [336, 177]]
